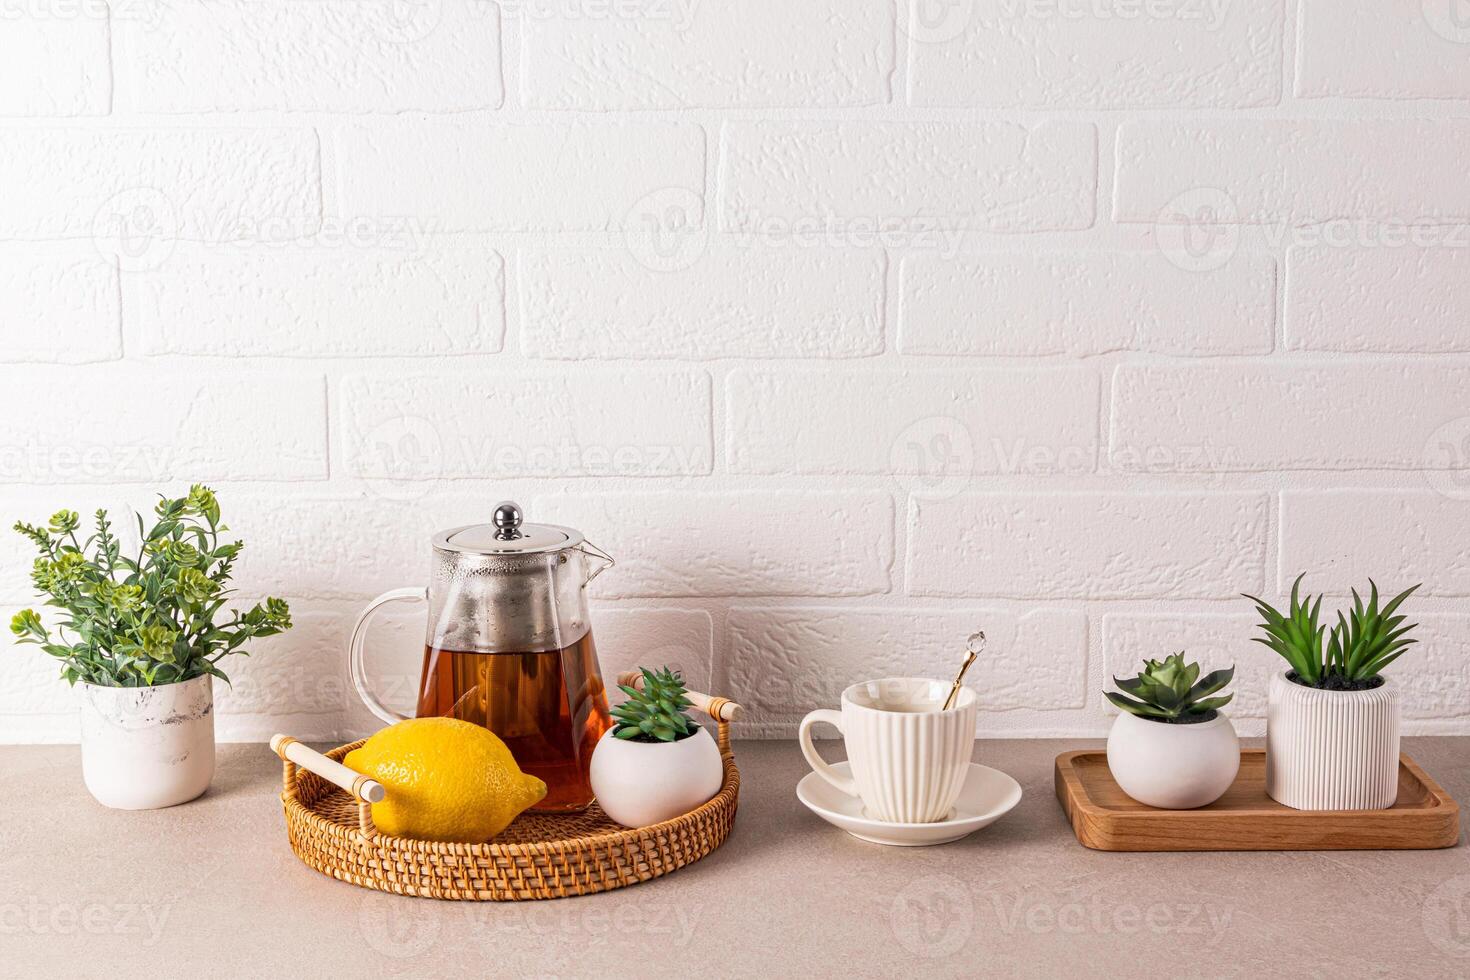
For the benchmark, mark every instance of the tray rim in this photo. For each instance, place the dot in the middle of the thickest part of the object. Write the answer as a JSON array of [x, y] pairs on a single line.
[[730, 785], [1076, 802], [565, 867]]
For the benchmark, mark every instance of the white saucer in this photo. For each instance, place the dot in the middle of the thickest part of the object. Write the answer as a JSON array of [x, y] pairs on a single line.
[[988, 795]]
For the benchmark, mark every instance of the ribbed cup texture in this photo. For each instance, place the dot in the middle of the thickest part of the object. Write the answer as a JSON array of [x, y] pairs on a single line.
[[909, 766], [1332, 750]]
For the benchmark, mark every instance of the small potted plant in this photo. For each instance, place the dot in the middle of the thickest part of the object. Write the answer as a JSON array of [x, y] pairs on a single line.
[[655, 763], [1172, 747], [1332, 719], [141, 635]]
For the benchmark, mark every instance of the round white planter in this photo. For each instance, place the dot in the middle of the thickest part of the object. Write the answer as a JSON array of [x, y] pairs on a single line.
[[148, 747], [1332, 750], [1175, 767], [642, 783]]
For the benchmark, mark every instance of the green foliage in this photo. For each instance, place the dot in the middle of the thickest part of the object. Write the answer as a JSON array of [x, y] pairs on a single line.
[[144, 620], [1171, 690], [656, 713], [1358, 648]]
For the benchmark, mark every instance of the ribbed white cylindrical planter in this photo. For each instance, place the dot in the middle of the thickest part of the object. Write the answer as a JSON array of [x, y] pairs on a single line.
[[1332, 750], [148, 747]]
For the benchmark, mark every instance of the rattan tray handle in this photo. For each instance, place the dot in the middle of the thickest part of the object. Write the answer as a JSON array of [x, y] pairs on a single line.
[[720, 709], [364, 789]]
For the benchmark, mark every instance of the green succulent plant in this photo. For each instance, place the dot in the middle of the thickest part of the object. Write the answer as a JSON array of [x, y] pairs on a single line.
[[1356, 650], [656, 713], [146, 619], [1171, 690]]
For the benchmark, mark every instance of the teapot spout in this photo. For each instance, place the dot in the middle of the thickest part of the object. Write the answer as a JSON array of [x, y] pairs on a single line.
[[601, 559]]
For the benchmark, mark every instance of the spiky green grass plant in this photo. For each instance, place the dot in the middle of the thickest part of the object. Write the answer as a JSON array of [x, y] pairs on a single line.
[[1356, 650]]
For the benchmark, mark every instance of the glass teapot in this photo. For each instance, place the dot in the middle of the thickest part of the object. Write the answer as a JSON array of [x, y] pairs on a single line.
[[509, 646]]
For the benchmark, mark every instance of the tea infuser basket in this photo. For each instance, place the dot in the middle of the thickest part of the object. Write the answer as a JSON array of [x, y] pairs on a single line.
[[541, 855]]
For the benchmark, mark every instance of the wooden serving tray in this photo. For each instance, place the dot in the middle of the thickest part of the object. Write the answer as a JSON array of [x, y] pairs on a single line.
[[1245, 818]]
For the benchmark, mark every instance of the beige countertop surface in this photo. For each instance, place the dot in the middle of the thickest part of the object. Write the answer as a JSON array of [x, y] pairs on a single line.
[[211, 889]]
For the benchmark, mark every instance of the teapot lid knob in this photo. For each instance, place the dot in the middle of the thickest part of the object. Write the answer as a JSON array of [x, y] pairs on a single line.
[[507, 520]]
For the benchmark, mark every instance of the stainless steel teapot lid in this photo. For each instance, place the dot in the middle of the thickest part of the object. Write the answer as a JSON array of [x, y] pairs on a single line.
[[507, 535]]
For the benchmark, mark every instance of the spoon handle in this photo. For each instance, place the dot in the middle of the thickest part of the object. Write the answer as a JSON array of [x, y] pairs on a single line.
[[954, 690]]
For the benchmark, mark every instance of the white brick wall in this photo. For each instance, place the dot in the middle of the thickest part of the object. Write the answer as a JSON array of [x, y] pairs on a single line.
[[1079, 303], [847, 326], [334, 55], [669, 55], [55, 66], [1393, 49], [1298, 170], [1009, 53], [993, 176], [59, 304]]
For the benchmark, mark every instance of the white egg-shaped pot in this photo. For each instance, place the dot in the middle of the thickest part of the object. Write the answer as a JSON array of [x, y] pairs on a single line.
[[1332, 750], [1174, 767], [643, 783], [144, 748]]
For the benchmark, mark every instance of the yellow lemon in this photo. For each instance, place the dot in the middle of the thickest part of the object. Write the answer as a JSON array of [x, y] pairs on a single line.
[[447, 780]]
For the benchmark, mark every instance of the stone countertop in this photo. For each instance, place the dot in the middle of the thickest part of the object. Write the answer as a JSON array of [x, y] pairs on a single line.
[[212, 889]]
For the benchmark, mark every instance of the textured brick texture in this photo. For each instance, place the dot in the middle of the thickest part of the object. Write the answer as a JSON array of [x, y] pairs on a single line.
[[54, 65], [847, 328], [992, 176], [185, 56], [672, 55], [1098, 545], [1007, 53], [1397, 49], [1298, 170], [59, 305], [320, 303], [1015, 305]]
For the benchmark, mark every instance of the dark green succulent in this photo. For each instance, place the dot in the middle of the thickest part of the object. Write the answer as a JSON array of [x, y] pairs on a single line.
[[655, 713], [1358, 648], [1172, 691]]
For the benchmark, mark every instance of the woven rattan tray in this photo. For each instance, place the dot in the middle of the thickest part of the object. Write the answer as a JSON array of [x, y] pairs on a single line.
[[538, 856]]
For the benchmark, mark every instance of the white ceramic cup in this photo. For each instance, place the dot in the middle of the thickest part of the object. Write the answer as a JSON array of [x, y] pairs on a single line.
[[908, 757]]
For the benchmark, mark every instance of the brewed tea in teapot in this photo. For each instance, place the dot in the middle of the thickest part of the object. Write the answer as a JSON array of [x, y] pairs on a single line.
[[509, 646]]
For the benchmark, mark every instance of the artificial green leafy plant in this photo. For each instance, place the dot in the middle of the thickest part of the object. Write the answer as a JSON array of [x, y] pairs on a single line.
[[1362, 643], [656, 713], [1172, 691], [147, 619]]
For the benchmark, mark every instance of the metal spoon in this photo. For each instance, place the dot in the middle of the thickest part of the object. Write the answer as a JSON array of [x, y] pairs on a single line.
[[974, 646]]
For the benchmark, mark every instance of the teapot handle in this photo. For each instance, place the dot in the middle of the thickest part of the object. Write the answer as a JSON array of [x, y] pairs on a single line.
[[354, 650]]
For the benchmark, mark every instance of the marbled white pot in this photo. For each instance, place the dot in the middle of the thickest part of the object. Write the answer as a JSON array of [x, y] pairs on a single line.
[[1332, 750], [148, 747]]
